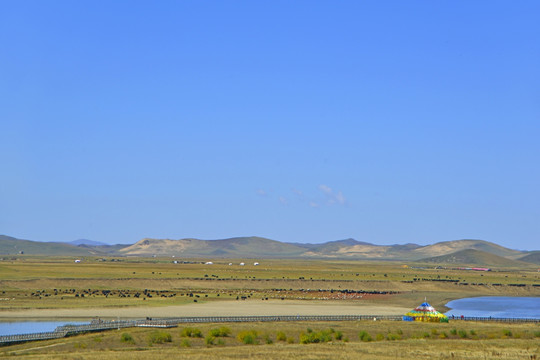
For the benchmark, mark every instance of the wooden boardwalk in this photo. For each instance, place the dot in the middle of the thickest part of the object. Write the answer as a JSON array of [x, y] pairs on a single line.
[[68, 330]]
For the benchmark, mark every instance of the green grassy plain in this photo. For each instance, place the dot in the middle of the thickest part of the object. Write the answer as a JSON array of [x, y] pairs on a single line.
[[33, 282], [384, 340]]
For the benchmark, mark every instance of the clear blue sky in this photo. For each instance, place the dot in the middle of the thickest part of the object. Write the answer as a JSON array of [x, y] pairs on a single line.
[[305, 121]]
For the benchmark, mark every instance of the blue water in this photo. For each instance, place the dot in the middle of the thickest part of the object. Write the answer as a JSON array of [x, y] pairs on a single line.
[[29, 327], [496, 306]]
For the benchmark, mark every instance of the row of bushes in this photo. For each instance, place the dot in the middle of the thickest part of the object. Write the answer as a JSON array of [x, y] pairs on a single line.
[[456, 333], [251, 337]]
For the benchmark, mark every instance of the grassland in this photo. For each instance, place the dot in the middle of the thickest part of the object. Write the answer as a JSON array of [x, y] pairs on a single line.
[[31, 286], [31, 282], [316, 340]]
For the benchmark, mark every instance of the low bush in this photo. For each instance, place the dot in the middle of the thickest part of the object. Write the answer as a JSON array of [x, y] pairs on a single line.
[[338, 335], [462, 334], [185, 343], [453, 332], [281, 336], [316, 337], [290, 340], [191, 332], [248, 337], [507, 333], [220, 332], [127, 338], [364, 336], [209, 339], [159, 337], [268, 340], [392, 337], [379, 337]]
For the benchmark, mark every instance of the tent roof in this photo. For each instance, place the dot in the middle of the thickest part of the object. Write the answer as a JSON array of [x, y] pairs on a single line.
[[425, 310]]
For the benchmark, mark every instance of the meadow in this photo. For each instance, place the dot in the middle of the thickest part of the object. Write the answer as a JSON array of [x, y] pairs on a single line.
[[32, 285], [55, 283], [306, 340]]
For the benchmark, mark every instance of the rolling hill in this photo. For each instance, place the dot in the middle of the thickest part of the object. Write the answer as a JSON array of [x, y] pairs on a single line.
[[12, 246], [231, 248], [472, 257], [474, 252], [532, 257]]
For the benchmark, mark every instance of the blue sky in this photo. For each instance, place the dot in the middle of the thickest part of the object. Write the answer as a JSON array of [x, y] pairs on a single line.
[[307, 121]]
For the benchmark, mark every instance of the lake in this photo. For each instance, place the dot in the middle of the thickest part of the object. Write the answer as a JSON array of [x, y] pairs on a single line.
[[496, 306], [29, 327]]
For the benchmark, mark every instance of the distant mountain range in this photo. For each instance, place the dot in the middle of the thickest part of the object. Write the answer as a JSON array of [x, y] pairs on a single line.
[[87, 242], [471, 252]]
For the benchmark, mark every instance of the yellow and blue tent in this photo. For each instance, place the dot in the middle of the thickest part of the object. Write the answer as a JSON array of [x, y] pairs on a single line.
[[425, 312]]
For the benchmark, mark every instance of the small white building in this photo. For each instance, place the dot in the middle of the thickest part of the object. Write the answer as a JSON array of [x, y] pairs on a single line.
[[77, 261], [209, 263], [242, 264], [255, 263]]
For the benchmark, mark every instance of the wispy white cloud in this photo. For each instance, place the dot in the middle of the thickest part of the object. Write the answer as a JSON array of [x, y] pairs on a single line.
[[313, 204], [261, 192], [332, 197], [325, 189], [340, 198], [283, 200]]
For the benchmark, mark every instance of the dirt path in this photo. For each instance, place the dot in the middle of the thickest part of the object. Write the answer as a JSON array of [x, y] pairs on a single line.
[[221, 308]]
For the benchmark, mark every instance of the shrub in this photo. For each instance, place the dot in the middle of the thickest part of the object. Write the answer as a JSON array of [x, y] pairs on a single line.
[[221, 342], [425, 335], [379, 337], [290, 340], [338, 335], [316, 337], [391, 336], [185, 343], [434, 331], [268, 340], [443, 335], [462, 334], [159, 337], [127, 338], [453, 332], [507, 333], [209, 339], [191, 332], [473, 332], [248, 337], [537, 334], [281, 336], [220, 332], [364, 336]]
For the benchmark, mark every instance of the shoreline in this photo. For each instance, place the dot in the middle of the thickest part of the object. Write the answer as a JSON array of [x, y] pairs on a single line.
[[222, 308]]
